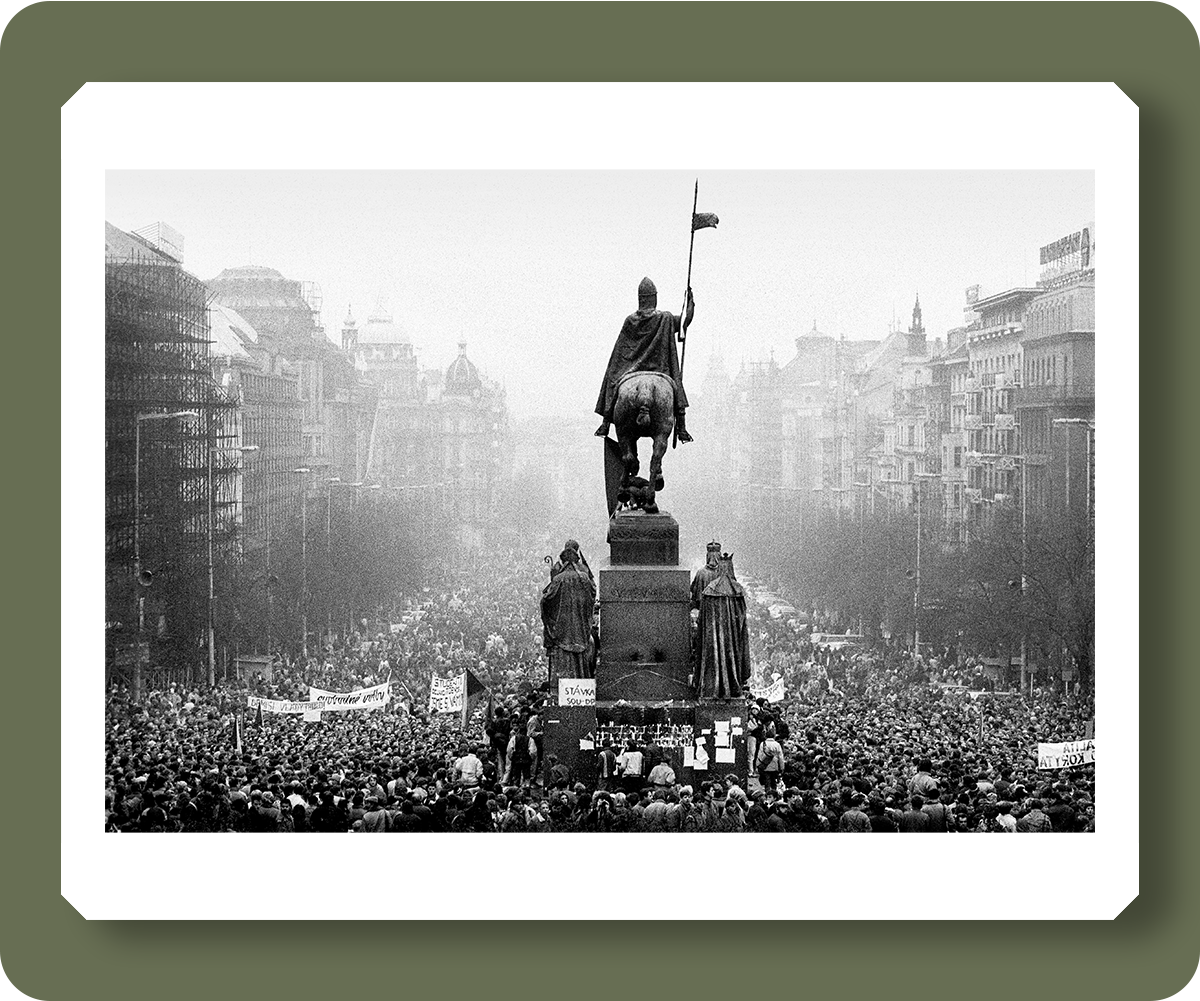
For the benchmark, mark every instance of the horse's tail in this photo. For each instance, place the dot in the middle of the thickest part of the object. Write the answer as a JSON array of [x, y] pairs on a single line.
[[643, 415]]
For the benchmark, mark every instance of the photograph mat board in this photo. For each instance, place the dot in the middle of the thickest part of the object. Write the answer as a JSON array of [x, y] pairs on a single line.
[[1100, 136]]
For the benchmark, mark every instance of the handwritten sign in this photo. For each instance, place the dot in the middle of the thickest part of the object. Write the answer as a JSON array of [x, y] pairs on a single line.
[[1070, 754], [278, 705], [576, 691], [365, 698], [446, 694]]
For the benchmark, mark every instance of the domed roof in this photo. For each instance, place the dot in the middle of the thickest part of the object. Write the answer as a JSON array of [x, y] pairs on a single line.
[[249, 272], [272, 304], [380, 328], [462, 377]]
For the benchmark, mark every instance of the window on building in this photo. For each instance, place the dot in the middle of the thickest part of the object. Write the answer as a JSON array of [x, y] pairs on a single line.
[[958, 456]]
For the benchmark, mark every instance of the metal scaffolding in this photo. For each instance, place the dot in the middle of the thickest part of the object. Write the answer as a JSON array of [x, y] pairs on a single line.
[[171, 465]]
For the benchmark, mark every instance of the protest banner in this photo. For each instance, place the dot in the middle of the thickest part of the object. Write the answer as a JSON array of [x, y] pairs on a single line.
[[277, 705], [773, 692], [1069, 754], [374, 697], [576, 691], [446, 694]]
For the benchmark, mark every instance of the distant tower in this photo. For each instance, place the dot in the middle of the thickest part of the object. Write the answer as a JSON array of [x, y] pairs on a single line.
[[916, 333], [349, 332]]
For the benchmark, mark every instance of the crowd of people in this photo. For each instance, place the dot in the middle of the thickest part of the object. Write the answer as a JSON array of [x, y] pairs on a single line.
[[867, 740]]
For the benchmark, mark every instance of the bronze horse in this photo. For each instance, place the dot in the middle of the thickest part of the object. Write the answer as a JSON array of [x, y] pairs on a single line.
[[645, 408]]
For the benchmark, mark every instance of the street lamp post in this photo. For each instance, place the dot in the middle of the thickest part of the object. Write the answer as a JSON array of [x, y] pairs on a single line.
[[920, 479], [329, 553], [212, 651], [303, 470], [141, 582]]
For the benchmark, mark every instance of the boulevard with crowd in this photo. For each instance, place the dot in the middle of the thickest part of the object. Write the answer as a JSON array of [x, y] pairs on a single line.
[[868, 740]]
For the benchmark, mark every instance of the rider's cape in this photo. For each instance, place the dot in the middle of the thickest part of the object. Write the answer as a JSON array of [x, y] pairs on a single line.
[[646, 344]]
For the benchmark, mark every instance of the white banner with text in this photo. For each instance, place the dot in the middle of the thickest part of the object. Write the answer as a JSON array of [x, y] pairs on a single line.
[[1069, 754], [374, 697]]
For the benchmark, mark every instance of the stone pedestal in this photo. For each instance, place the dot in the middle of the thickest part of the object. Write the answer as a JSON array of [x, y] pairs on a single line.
[[644, 669], [645, 634], [639, 539]]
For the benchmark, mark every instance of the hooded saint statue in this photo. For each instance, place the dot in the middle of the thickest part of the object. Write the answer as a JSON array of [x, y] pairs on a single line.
[[567, 605], [724, 636]]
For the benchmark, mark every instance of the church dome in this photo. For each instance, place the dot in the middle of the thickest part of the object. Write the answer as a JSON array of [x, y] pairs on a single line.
[[462, 377], [380, 328]]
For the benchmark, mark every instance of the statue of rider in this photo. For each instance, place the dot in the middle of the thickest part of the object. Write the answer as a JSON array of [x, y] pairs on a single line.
[[646, 343]]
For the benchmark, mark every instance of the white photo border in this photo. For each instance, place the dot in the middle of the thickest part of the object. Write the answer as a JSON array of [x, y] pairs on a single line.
[[585, 126]]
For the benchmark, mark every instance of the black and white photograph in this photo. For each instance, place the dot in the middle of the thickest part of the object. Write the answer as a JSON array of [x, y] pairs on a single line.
[[574, 502]]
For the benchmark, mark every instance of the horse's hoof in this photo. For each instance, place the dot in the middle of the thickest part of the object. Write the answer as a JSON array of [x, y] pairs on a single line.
[[658, 483]]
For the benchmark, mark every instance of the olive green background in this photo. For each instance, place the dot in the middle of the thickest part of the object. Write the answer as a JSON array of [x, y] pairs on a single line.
[[1150, 951]]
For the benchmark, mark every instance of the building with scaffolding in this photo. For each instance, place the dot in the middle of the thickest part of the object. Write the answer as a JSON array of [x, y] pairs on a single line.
[[171, 460], [266, 389]]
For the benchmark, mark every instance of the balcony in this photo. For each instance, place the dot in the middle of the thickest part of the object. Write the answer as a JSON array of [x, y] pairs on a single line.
[[1049, 396]]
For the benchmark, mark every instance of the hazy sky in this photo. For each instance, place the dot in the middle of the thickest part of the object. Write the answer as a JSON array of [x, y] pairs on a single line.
[[536, 270]]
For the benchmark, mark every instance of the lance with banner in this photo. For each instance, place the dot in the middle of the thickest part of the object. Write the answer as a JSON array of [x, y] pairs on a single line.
[[700, 220]]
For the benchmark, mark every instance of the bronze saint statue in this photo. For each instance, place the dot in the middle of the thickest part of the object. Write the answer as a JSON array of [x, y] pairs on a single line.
[[707, 573], [567, 606], [724, 636], [571, 544]]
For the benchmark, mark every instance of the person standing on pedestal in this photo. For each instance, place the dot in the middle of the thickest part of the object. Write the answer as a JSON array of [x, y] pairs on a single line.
[[724, 636]]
